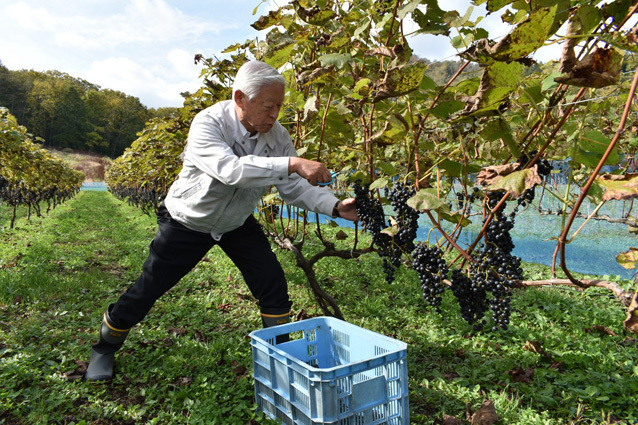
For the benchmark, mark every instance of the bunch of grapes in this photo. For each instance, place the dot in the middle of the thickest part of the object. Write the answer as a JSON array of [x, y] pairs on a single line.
[[371, 215], [544, 166], [496, 269], [384, 6], [406, 217], [432, 269], [471, 197], [472, 298], [491, 278]]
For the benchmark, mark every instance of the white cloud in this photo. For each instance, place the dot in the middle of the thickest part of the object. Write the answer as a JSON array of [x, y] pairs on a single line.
[[29, 18], [151, 85], [182, 64]]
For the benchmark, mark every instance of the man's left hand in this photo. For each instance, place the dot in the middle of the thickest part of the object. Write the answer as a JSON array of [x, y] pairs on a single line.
[[348, 209]]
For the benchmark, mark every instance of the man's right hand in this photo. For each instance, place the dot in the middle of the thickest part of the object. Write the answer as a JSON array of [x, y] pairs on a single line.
[[313, 171]]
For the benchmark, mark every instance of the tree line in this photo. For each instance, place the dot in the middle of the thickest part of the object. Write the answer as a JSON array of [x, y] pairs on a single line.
[[68, 112]]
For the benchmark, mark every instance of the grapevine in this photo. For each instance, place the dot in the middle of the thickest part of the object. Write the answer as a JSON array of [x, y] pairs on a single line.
[[30, 175]]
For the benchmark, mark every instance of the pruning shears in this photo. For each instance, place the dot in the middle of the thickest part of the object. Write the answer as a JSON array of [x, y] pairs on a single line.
[[333, 175]]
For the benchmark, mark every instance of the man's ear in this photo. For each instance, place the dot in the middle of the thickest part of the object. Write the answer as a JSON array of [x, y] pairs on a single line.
[[239, 98]]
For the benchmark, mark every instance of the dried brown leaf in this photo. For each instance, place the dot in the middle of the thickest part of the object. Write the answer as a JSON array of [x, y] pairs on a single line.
[[487, 175], [535, 347], [601, 68], [224, 308], [510, 178], [631, 322], [181, 331], [519, 374], [341, 235], [383, 51], [451, 420], [485, 415], [600, 329]]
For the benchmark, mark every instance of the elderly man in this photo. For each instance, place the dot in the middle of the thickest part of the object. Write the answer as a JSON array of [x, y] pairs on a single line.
[[236, 150]]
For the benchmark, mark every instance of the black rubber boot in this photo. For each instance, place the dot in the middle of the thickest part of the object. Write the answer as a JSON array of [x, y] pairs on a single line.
[[103, 353], [271, 318]]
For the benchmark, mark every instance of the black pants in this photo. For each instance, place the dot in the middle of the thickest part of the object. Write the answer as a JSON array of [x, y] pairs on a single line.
[[177, 249]]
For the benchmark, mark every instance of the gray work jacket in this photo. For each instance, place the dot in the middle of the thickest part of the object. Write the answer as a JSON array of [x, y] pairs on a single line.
[[223, 177]]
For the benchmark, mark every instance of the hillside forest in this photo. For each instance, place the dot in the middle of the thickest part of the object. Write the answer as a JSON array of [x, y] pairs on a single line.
[[65, 112]]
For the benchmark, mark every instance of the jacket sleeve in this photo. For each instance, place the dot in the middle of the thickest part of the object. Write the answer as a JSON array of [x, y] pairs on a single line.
[[209, 151], [298, 192]]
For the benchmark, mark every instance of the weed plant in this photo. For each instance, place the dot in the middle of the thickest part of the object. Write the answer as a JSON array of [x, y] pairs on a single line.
[[564, 360]]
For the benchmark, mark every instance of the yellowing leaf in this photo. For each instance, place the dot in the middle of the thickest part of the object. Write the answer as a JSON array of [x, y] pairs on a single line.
[[527, 37], [504, 177], [619, 187], [266, 21], [401, 80], [628, 259], [361, 89], [390, 231]]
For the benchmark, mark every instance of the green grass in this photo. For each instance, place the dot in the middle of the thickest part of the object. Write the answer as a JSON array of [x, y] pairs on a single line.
[[190, 362]]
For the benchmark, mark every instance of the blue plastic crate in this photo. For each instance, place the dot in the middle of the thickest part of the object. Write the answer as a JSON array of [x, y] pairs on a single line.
[[330, 372]]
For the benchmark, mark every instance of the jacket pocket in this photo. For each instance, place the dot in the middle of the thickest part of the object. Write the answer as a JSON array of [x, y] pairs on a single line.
[[188, 192]]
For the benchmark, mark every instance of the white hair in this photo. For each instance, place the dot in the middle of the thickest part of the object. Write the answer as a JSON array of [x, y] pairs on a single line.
[[255, 75]]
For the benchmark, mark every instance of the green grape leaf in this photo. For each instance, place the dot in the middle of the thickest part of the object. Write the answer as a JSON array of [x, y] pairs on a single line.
[[617, 9], [430, 22], [458, 169], [361, 29], [403, 11], [455, 218], [338, 60], [500, 129], [277, 56], [447, 108], [590, 148], [426, 199], [585, 19], [361, 89], [427, 84], [496, 5], [379, 183], [498, 81]]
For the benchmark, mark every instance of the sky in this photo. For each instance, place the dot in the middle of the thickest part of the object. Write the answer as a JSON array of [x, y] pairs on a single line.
[[146, 48]]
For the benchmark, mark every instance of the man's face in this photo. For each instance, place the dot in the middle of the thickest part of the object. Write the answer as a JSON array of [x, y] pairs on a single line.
[[260, 113]]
